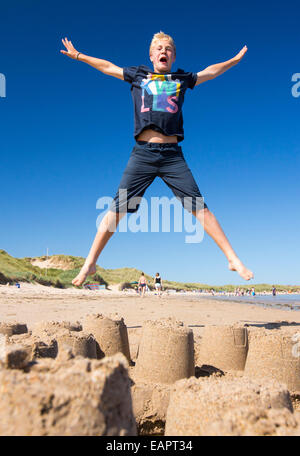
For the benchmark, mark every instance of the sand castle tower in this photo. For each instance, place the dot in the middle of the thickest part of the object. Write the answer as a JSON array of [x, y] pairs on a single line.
[[80, 343], [47, 337], [110, 333], [195, 404], [166, 352], [223, 347], [275, 354]]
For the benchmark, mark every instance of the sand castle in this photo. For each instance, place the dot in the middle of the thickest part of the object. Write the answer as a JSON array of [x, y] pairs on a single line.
[[110, 333], [81, 397], [81, 344], [256, 421], [196, 404], [166, 352], [150, 403], [80, 376], [275, 354], [165, 355], [223, 347]]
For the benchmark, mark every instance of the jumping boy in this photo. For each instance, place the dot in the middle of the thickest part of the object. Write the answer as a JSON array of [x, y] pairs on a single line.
[[158, 96]]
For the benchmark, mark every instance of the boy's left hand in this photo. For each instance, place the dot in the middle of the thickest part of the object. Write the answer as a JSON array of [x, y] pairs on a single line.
[[241, 54]]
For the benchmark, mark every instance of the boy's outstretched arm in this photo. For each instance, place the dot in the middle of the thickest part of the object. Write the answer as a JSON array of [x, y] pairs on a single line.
[[213, 71], [104, 66]]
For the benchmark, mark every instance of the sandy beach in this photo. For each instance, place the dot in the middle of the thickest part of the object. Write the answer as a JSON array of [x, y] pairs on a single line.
[[33, 303]]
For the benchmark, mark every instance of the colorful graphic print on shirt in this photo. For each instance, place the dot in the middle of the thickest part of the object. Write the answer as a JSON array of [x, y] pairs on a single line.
[[165, 92]]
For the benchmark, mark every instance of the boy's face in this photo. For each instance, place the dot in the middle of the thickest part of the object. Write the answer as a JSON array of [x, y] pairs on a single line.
[[162, 56]]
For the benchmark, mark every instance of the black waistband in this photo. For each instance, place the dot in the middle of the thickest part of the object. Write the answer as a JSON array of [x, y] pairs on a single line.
[[154, 145]]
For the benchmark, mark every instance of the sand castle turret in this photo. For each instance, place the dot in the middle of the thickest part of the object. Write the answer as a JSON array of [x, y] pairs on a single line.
[[196, 404], [62, 334], [166, 352], [110, 333], [80, 343], [275, 354], [223, 347]]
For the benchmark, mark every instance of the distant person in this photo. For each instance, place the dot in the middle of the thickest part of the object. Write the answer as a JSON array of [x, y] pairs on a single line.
[[158, 96], [253, 291], [158, 284], [142, 284], [274, 291]]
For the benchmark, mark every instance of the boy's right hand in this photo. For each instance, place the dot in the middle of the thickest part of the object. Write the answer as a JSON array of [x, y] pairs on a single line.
[[72, 53], [241, 54]]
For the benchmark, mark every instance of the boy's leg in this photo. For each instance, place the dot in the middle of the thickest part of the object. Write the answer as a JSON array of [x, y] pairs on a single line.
[[138, 175], [177, 175], [106, 229], [213, 228]]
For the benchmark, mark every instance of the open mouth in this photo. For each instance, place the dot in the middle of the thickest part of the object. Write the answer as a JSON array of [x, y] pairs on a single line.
[[163, 60]]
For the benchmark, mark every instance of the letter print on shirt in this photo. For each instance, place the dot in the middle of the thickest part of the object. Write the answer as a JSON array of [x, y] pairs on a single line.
[[164, 90]]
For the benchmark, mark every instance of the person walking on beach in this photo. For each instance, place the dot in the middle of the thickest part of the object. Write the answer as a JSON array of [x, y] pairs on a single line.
[[142, 284], [158, 284], [158, 97]]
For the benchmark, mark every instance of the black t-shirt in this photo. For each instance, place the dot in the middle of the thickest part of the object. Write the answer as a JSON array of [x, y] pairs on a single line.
[[158, 99]]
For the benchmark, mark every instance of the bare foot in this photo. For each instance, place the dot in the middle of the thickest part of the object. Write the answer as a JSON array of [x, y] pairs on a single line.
[[84, 272], [237, 265]]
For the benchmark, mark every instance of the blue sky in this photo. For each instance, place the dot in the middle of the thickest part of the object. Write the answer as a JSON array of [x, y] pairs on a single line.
[[67, 132]]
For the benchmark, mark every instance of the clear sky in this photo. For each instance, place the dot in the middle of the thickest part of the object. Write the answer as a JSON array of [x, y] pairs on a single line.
[[67, 131]]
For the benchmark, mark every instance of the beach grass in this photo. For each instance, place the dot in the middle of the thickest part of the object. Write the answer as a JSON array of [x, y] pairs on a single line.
[[14, 270]]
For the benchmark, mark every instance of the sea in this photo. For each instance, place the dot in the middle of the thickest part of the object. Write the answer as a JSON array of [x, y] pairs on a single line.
[[281, 301]]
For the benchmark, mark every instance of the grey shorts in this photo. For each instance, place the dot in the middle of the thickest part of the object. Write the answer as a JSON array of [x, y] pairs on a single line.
[[148, 161]]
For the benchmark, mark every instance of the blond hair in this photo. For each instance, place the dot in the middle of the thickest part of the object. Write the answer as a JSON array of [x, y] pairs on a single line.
[[162, 36]]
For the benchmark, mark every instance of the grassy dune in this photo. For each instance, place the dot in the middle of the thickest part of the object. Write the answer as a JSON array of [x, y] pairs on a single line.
[[14, 270]]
